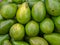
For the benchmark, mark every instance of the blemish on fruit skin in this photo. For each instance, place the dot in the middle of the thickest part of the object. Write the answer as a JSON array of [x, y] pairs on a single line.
[[26, 6], [52, 10]]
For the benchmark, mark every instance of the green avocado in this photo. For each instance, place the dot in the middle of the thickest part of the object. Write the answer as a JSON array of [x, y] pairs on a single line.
[[53, 39], [23, 13], [19, 43], [5, 26], [53, 7], [8, 11], [37, 41], [38, 11], [6, 42], [32, 28], [47, 26], [17, 31], [3, 37]]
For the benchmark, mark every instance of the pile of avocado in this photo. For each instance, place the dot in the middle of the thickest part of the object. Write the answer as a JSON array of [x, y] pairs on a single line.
[[29, 22]]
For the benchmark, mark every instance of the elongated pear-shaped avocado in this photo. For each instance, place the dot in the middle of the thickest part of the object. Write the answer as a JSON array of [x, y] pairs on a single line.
[[19, 43], [17, 31], [3, 37], [38, 11], [53, 39], [37, 41], [23, 13], [53, 7], [6, 42], [5, 26]]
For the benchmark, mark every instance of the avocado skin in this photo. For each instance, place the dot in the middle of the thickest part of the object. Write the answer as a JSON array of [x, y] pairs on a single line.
[[38, 11], [3, 37], [53, 7], [53, 38], [6, 42], [8, 11], [23, 13], [47, 26], [37, 41], [19, 43], [5, 26], [17, 32]]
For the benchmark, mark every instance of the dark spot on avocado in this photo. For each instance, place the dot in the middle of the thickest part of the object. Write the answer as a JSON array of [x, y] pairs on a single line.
[[52, 10], [26, 6]]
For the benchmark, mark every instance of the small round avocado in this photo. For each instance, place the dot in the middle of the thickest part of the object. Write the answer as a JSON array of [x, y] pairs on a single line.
[[8, 11], [47, 26], [32, 28], [17, 31]]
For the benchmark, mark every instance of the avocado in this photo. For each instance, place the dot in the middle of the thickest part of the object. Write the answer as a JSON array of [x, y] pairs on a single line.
[[23, 13], [5, 26], [3, 37], [47, 26], [8, 11], [53, 7], [53, 38], [38, 41], [6, 42], [17, 31], [38, 11], [32, 28]]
